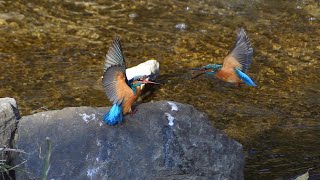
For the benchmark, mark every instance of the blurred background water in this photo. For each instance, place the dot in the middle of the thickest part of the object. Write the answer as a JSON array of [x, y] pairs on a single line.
[[52, 54]]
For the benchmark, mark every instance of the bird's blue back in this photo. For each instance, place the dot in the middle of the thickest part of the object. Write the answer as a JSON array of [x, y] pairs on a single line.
[[245, 78]]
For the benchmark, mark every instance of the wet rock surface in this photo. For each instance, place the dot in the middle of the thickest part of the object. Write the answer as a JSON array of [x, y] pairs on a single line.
[[9, 116], [162, 140]]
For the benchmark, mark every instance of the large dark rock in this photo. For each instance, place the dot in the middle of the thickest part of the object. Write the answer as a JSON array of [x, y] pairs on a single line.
[[146, 146]]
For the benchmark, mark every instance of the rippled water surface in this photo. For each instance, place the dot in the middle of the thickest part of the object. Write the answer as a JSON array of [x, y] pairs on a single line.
[[51, 56]]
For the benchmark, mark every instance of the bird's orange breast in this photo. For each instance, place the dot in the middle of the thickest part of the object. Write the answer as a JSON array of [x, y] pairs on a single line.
[[125, 93], [228, 75], [126, 106]]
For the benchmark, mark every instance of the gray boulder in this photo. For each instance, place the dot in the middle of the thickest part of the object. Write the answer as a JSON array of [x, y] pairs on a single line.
[[9, 116], [163, 140]]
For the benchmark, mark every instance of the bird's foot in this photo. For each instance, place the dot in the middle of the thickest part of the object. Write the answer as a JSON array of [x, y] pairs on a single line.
[[133, 112], [238, 85]]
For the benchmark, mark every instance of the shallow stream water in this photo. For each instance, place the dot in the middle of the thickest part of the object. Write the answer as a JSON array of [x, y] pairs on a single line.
[[52, 53]]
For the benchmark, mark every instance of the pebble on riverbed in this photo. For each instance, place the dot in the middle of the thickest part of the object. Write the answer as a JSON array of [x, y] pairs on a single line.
[[181, 26]]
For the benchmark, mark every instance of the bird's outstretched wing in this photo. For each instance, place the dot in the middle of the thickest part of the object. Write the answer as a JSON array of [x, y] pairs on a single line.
[[241, 54], [115, 57], [114, 79]]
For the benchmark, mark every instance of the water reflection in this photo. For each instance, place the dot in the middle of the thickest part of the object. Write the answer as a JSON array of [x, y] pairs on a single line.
[[52, 52]]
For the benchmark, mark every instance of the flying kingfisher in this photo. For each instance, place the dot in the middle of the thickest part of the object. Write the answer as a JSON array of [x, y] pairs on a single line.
[[235, 64], [119, 90]]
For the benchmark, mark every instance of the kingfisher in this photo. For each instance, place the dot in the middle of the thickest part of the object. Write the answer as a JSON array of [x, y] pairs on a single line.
[[235, 64], [119, 90]]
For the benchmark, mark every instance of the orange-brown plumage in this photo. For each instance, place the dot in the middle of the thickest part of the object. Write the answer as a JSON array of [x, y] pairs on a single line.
[[124, 93], [227, 72], [235, 64], [117, 87], [228, 75], [126, 106], [119, 90]]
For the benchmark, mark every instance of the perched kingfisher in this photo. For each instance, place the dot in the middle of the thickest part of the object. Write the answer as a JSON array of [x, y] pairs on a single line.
[[119, 90], [235, 64]]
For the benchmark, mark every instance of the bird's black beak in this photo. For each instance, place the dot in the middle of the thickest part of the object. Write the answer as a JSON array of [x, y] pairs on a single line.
[[196, 69], [145, 81], [198, 75], [202, 71]]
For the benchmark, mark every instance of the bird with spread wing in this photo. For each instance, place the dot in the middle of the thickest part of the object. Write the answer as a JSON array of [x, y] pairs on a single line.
[[235, 64], [119, 90]]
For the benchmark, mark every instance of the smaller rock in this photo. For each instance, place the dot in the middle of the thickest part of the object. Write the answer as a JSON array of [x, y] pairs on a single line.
[[3, 22], [9, 115], [148, 68], [181, 26], [133, 15], [12, 16]]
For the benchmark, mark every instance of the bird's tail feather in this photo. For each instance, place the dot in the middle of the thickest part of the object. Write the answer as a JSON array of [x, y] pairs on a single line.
[[245, 78], [114, 115]]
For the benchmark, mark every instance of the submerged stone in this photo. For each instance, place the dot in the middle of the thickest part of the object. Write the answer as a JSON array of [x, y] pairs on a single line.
[[181, 26]]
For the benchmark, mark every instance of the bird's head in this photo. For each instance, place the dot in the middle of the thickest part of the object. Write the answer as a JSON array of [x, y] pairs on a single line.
[[207, 69], [140, 80], [213, 67]]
